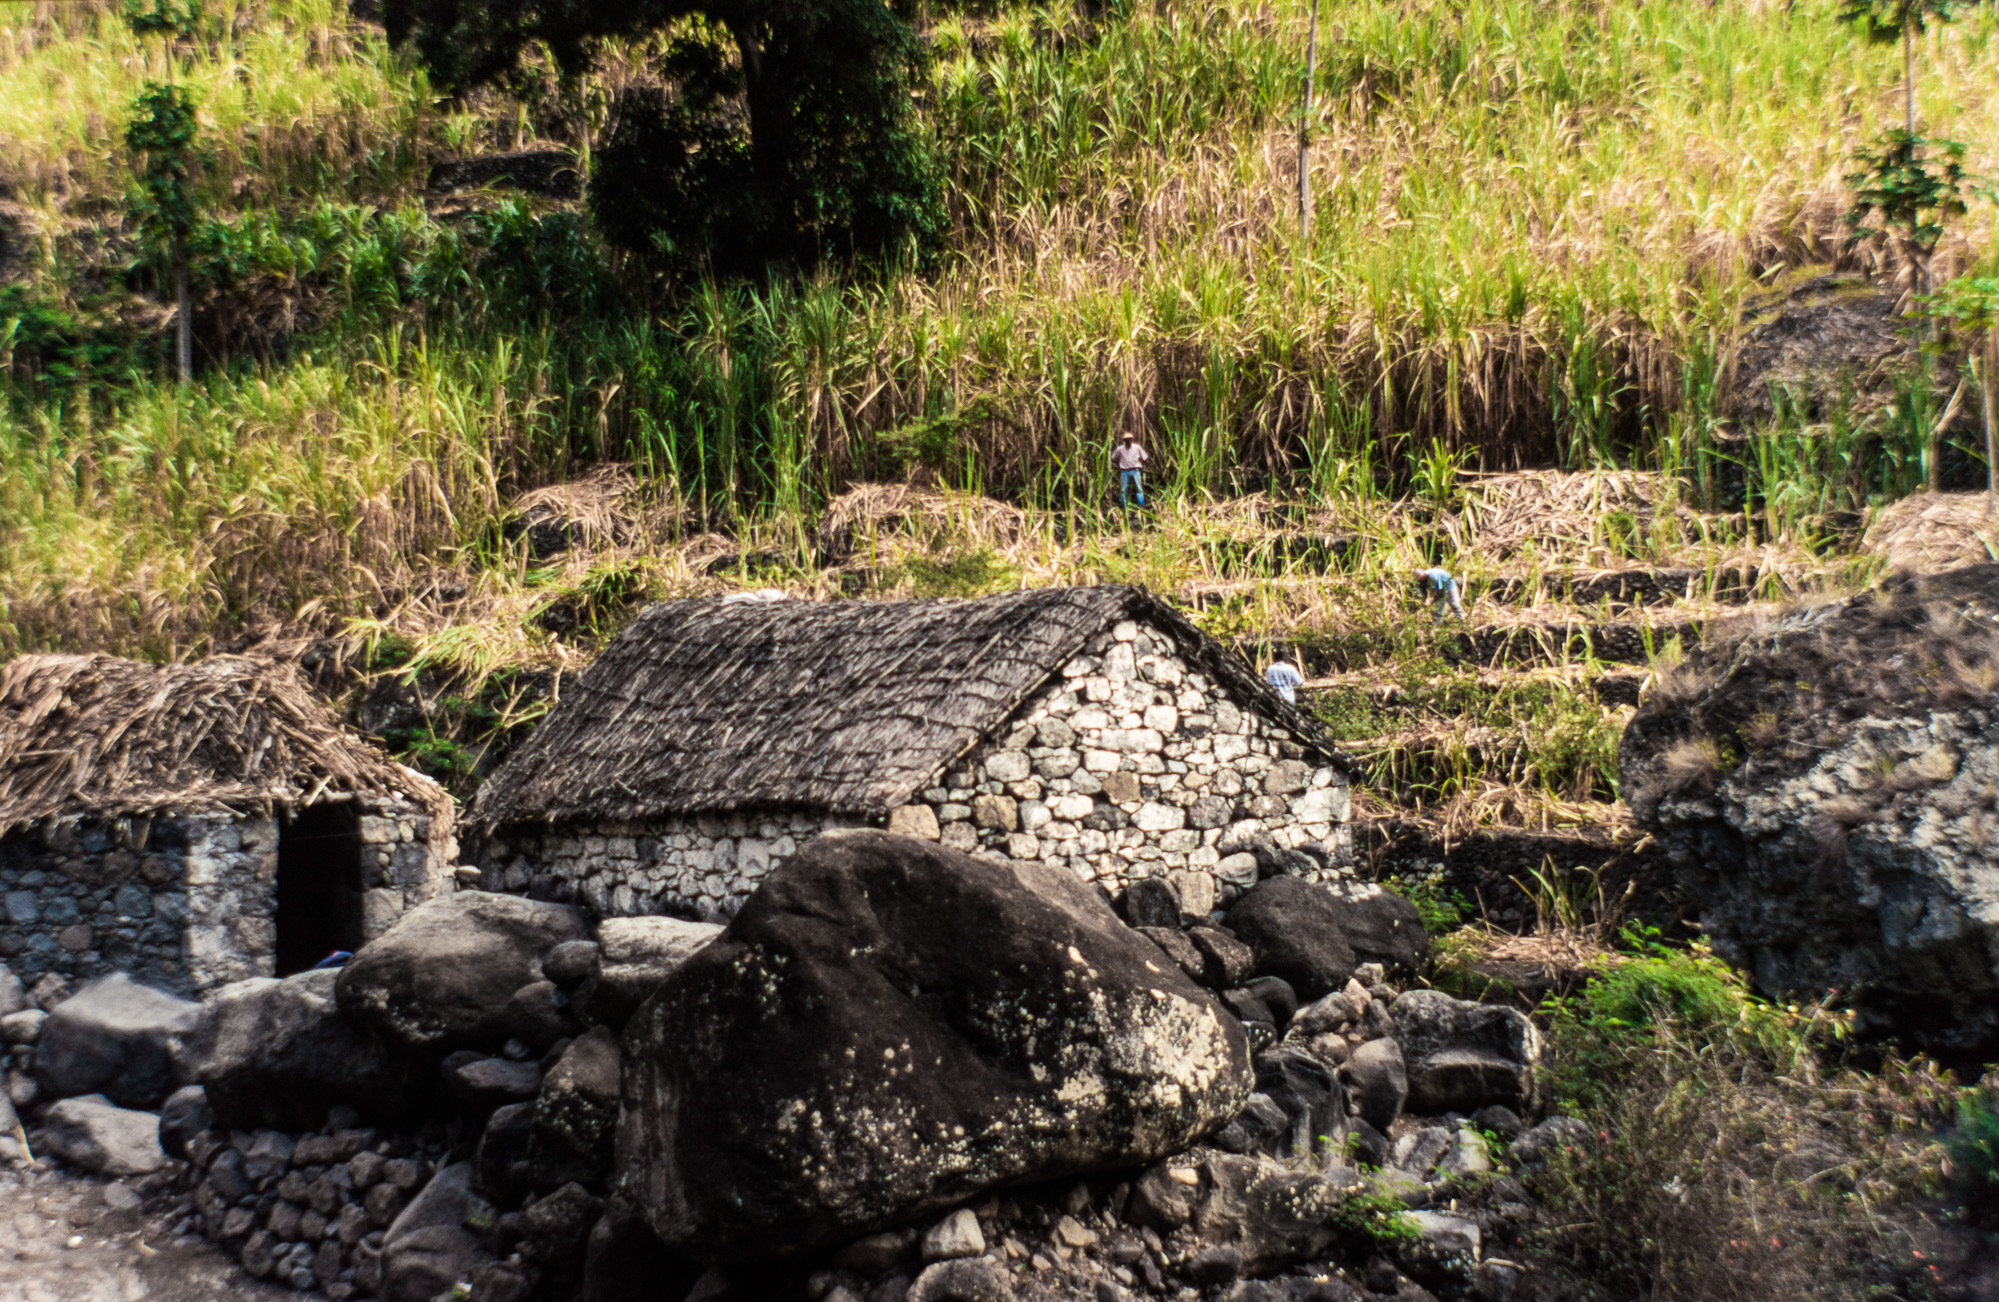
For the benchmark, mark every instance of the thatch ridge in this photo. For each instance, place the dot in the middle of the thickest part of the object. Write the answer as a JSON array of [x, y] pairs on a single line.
[[708, 706], [101, 736]]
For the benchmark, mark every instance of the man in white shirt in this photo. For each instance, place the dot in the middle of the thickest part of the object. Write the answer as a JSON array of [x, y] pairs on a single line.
[[1127, 458], [1284, 676]]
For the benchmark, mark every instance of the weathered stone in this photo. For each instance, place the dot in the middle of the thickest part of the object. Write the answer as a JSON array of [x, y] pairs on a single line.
[[114, 1037], [1850, 846], [1377, 1082], [1196, 892], [278, 1054], [1151, 902], [576, 1112], [184, 1115], [1181, 950], [1293, 927], [91, 1133], [960, 1281], [637, 954], [1461, 1056], [997, 812], [957, 1235], [1270, 1215], [441, 978], [914, 820], [1226, 961], [892, 1103], [483, 1083]]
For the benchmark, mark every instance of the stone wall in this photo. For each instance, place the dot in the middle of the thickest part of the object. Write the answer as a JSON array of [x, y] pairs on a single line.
[[185, 904], [1128, 765]]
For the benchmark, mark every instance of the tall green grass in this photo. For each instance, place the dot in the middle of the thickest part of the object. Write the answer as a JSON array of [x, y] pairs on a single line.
[[1537, 224]]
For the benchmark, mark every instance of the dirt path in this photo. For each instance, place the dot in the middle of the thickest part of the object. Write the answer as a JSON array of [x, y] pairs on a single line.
[[65, 1238]]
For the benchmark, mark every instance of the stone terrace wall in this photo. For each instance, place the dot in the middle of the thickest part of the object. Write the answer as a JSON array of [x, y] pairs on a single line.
[[184, 904], [1130, 765]]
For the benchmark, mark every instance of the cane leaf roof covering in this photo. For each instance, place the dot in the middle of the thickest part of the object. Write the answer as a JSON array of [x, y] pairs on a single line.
[[100, 736], [709, 706]]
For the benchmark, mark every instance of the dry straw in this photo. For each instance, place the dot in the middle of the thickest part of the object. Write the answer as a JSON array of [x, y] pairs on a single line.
[[100, 736], [846, 707]]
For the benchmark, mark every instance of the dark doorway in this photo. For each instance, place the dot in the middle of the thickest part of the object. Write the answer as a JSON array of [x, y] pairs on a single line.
[[319, 885]]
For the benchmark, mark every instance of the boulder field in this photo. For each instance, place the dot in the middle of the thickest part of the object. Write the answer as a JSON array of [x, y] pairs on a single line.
[[900, 1074]]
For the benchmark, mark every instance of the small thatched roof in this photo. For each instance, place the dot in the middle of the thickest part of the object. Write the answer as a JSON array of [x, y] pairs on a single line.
[[848, 707], [97, 735]]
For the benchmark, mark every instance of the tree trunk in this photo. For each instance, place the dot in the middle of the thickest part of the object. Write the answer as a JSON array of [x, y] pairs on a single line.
[[1988, 391], [1305, 131], [1908, 70], [183, 317], [767, 92]]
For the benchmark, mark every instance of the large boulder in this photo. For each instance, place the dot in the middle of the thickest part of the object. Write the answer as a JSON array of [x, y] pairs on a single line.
[[117, 1038], [889, 1027], [576, 1113], [93, 1133], [1461, 1056], [1293, 928], [443, 976], [634, 956], [1827, 787], [277, 1055]]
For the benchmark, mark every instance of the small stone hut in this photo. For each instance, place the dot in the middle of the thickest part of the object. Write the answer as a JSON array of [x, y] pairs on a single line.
[[196, 824], [1088, 728]]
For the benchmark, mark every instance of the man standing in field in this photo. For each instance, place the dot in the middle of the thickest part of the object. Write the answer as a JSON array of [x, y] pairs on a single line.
[[1128, 459]]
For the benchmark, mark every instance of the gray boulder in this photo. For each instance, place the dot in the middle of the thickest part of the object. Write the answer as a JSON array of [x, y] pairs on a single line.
[[1823, 785], [1271, 1215], [13, 996], [1461, 1056], [635, 955], [443, 976], [278, 1054], [889, 1027], [96, 1135], [184, 1115], [116, 1038], [1377, 1082], [482, 1082], [1292, 926]]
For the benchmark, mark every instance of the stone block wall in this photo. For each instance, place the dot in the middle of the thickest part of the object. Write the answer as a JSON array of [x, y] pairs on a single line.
[[1128, 765], [1134, 765], [709, 862], [185, 903]]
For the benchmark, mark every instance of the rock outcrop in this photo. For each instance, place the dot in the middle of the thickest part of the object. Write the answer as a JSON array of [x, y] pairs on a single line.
[[890, 1026], [1827, 786]]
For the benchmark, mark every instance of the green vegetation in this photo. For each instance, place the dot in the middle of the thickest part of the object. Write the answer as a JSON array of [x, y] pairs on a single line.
[[1536, 232], [1728, 1154]]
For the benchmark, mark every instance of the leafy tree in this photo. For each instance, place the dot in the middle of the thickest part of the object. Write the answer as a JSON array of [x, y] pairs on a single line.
[[783, 131], [161, 137]]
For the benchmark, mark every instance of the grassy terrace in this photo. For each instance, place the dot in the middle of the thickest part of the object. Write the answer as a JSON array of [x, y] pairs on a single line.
[[1536, 229]]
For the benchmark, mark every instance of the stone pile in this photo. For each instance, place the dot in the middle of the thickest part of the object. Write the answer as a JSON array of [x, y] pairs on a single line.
[[900, 1074]]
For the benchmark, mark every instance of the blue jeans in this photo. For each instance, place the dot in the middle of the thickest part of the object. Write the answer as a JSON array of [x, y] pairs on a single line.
[[1128, 482]]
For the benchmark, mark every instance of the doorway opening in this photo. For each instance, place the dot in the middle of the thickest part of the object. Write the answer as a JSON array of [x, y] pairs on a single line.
[[319, 885]]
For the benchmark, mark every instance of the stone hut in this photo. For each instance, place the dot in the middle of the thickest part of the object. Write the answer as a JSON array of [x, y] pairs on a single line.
[[196, 824], [1089, 728]]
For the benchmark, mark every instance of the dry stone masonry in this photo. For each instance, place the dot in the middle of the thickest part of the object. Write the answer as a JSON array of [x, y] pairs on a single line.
[[1128, 765], [186, 904]]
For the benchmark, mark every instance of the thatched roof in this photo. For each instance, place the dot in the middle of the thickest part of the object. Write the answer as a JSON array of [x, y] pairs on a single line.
[[97, 735], [847, 707]]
